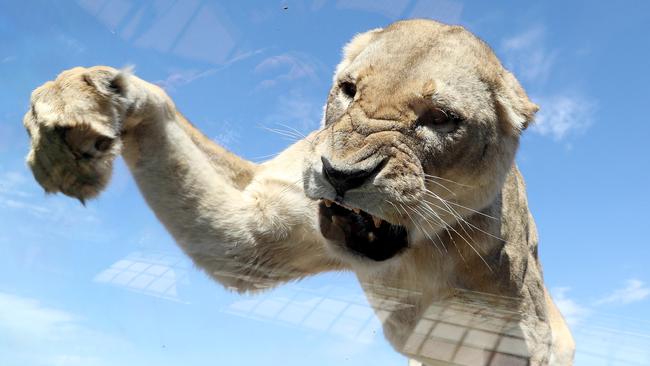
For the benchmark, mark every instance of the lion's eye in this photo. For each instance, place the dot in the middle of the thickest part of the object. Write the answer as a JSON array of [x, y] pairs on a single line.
[[440, 119], [348, 88]]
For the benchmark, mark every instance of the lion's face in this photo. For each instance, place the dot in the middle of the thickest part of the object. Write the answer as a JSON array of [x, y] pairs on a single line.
[[420, 129]]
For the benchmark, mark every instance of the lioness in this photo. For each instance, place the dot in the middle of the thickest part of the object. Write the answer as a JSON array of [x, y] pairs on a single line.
[[410, 182]]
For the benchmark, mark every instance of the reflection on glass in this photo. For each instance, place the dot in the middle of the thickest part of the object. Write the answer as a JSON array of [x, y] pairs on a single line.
[[147, 273], [249, 71]]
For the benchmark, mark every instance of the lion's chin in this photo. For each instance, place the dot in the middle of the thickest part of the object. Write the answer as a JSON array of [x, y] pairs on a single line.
[[359, 233]]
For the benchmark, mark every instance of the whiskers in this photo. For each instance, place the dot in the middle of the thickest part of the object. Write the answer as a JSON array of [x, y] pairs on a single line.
[[287, 132], [447, 180], [434, 213]]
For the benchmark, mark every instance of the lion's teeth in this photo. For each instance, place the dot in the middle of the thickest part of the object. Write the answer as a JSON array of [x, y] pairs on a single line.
[[327, 203], [356, 210], [377, 221]]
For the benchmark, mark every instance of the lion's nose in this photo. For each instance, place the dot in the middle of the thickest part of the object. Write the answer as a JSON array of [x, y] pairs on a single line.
[[345, 179]]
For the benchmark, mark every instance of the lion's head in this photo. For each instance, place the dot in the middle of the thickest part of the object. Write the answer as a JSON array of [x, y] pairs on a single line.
[[420, 129]]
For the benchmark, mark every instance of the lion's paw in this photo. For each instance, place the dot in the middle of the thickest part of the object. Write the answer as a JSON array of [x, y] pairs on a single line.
[[74, 124]]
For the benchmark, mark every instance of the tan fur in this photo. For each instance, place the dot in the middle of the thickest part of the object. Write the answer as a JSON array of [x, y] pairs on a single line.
[[472, 240]]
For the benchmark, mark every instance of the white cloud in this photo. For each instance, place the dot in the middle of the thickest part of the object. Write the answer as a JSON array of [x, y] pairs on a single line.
[[12, 182], [35, 210], [561, 115], [178, 78], [289, 67], [27, 318], [573, 312], [633, 291], [55, 216], [527, 56], [71, 43], [60, 214], [606, 339], [295, 111], [13, 194], [242, 55], [527, 39], [37, 334]]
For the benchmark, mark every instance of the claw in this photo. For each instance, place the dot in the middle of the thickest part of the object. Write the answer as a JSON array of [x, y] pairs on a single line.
[[82, 200]]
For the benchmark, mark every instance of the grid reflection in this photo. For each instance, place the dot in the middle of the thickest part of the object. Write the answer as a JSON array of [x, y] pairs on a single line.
[[326, 309], [153, 274]]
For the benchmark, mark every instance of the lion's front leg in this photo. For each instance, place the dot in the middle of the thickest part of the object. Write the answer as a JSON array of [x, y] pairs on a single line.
[[247, 226]]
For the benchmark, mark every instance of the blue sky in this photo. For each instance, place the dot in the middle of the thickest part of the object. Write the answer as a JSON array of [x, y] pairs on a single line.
[[105, 285]]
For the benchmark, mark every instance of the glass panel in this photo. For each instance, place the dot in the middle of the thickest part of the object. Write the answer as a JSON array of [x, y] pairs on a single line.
[[445, 275]]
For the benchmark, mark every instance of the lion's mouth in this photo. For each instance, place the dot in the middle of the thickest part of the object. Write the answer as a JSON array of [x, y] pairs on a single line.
[[361, 233]]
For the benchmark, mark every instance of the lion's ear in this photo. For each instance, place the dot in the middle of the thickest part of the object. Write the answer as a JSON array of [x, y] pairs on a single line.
[[353, 48], [514, 108], [356, 45], [107, 81]]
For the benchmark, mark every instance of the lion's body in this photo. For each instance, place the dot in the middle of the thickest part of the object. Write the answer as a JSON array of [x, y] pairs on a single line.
[[471, 259]]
